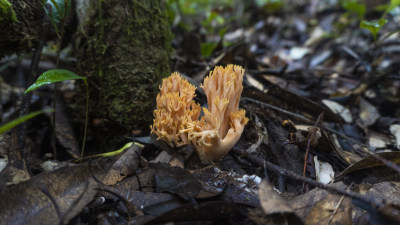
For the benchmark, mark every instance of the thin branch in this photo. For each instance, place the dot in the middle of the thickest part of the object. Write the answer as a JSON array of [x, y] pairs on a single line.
[[291, 175]]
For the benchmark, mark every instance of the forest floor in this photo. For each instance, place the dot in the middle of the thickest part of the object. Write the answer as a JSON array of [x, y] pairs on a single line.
[[321, 146]]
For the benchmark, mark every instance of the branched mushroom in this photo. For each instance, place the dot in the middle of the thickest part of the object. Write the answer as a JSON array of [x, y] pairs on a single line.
[[214, 135]]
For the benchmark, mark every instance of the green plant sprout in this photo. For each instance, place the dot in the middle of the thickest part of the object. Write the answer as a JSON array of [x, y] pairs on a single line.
[[57, 13], [374, 26], [59, 9], [58, 75]]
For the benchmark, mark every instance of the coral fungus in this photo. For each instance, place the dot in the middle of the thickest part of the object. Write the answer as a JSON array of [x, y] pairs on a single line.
[[177, 115]]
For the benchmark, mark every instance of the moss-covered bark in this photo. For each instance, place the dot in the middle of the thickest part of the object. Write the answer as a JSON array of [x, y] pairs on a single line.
[[124, 47], [21, 25]]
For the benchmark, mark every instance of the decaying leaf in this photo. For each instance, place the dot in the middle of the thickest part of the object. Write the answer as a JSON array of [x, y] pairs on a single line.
[[395, 130], [274, 206], [303, 103], [15, 171], [370, 162], [389, 212], [333, 209], [377, 140], [207, 211], [368, 113], [49, 198], [346, 156], [339, 109], [176, 180], [303, 204], [324, 171]]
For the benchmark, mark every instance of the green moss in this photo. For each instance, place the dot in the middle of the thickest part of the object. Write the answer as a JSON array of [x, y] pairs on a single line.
[[7, 11]]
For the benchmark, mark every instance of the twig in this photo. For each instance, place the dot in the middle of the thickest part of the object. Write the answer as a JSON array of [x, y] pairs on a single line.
[[334, 211], [342, 135], [289, 174], [278, 109], [311, 137], [298, 116]]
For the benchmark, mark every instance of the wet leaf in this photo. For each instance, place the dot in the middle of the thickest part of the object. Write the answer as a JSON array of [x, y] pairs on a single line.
[[53, 76]]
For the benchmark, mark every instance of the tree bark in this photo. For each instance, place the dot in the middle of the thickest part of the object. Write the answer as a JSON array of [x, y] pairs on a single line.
[[124, 48], [20, 25]]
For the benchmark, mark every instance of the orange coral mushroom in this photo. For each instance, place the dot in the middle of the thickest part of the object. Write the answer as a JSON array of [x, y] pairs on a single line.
[[174, 107], [176, 117], [223, 123]]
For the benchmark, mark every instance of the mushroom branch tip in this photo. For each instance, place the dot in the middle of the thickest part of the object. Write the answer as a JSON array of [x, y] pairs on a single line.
[[177, 119]]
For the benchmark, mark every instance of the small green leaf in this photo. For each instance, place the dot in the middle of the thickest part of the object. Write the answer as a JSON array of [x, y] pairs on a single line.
[[373, 26], [53, 76], [55, 4], [59, 9], [20, 120], [208, 48], [393, 4], [222, 32], [354, 7]]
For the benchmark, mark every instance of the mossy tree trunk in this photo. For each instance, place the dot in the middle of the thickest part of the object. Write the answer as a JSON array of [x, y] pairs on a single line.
[[20, 25], [124, 47]]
